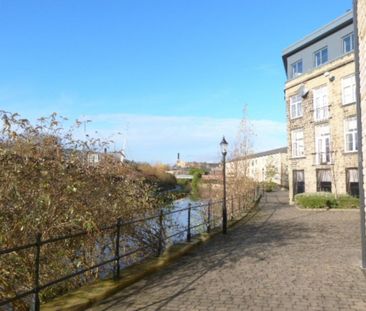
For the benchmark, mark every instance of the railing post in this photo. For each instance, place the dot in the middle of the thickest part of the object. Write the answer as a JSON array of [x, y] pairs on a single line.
[[160, 246], [209, 216], [258, 191], [37, 302], [232, 207], [189, 223], [117, 255]]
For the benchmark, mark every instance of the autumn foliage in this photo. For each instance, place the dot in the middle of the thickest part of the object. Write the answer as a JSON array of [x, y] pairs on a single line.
[[48, 186]]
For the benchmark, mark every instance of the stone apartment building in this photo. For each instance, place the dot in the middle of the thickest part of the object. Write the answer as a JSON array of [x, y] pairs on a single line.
[[320, 96], [258, 165]]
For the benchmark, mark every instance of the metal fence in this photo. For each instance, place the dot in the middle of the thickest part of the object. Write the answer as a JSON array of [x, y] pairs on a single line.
[[211, 218]]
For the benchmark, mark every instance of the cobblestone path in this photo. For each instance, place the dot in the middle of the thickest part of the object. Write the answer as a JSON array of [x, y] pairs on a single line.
[[279, 259]]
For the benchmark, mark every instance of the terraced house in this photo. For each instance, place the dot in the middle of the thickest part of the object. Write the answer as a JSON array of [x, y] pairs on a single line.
[[321, 110]]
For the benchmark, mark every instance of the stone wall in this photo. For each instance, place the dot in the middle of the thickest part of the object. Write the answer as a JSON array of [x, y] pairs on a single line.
[[361, 19]]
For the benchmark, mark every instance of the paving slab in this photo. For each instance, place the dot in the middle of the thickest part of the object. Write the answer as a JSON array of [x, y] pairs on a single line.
[[281, 258]]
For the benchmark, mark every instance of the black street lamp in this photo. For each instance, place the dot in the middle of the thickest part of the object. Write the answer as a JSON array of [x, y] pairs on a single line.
[[223, 146]]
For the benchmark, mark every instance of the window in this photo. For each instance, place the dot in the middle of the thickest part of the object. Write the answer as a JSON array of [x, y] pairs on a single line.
[[348, 90], [321, 110], [323, 180], [299, 182], [348, 43], [297, 139], [321, 57], [352, 182], [350, 134], [297, 68], [322, 145], [295, 106], [93, 158]]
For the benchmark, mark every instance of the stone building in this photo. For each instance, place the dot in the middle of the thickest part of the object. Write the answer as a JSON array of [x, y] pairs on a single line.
[[262, 166], [361, 25], [360, 18], [320, 95]]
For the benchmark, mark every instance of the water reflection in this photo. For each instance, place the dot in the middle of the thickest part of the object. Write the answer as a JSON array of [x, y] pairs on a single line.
[[176, 224]]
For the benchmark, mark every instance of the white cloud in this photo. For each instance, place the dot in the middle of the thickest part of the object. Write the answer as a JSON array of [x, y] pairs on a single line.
[[159, 138]]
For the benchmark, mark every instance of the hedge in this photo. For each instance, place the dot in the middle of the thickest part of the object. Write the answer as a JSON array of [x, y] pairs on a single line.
[[326, 200]]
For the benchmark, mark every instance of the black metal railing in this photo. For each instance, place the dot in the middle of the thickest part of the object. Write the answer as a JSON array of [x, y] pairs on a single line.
[[211, 216]]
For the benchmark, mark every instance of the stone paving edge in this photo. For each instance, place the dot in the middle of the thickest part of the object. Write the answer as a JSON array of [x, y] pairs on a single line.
[[327, 209]]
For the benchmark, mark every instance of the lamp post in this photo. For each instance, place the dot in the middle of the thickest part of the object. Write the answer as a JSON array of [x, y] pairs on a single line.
[[223, 146]]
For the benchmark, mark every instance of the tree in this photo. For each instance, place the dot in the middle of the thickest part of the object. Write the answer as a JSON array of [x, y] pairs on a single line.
[[239, 182], [271, 171]]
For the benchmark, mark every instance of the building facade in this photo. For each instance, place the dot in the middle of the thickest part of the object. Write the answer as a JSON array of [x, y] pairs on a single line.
[[320, 95], [360, 16], [361, 19], [94, 158], [263, 166]]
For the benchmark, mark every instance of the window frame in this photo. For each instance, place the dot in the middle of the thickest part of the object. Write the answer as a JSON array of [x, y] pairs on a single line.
[[323, 147], [351, 35], [295, 103], [316, 65], [349, 188], [353, 133], [352, 85], [324, 186], [294, 142], [322, 88], [294, 66], [298, 184]]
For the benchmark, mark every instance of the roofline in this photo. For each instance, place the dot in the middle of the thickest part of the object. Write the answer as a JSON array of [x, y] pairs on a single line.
[[332, 27], [262, 154]]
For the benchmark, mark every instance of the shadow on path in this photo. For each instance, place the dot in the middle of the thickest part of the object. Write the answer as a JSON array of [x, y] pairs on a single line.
[[252, 240]]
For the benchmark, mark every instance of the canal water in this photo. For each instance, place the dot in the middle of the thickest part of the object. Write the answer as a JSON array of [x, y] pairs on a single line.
[[177, 221]]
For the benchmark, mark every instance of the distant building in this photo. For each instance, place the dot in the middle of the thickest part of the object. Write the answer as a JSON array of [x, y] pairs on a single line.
[[183, 166], [180, 163], [95, 157], [262, 166], [321, 111]]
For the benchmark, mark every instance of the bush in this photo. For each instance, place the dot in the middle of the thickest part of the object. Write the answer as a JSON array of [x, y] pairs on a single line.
[[316, 200], [325, 200], [347, 201], [269, 186], [48, 186], [157, 174]]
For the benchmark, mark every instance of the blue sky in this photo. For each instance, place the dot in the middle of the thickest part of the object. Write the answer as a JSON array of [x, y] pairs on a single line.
[[171, 75]]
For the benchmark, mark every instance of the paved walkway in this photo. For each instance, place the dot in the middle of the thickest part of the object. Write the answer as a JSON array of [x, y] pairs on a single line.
[[280, 259]]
